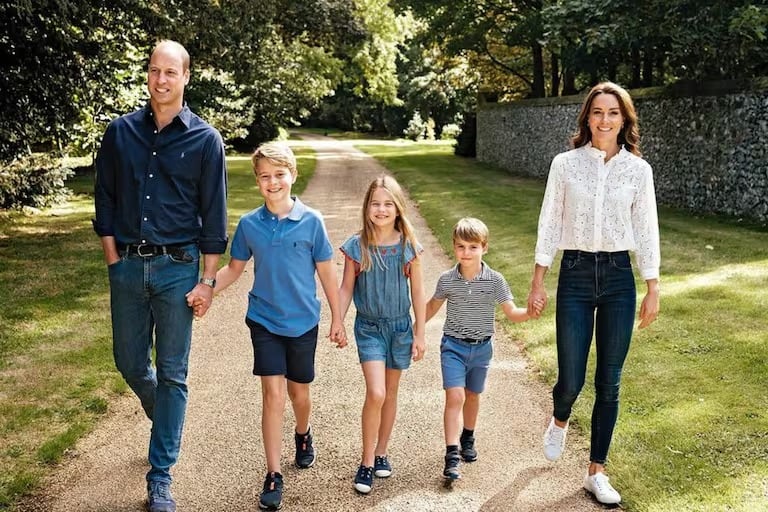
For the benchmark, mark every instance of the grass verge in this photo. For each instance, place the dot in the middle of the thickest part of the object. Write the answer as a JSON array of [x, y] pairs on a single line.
[[693, 430], [57, 374]]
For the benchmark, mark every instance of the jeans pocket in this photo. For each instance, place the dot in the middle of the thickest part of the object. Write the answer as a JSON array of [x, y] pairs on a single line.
[[569, 262], [621, 262]]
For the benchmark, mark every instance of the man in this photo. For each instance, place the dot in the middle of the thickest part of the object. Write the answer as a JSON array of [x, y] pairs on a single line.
[[160, 199]]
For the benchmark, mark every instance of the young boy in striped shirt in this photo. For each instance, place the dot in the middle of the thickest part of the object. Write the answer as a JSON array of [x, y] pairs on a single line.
[[473, 290]]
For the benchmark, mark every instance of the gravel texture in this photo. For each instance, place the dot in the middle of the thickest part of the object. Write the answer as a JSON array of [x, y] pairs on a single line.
[[222, 466]]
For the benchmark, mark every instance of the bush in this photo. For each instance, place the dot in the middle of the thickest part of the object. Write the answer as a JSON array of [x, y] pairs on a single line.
[[35, 181], [450, 131]]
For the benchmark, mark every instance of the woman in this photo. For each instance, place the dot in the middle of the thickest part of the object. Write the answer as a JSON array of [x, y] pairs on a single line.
[[598, 205]]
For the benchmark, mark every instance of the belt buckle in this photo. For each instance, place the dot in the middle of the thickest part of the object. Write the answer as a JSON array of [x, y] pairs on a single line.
[[141, 254]]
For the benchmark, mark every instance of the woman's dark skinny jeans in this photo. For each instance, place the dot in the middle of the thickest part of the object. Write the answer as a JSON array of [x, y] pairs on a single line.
[[595, 292]]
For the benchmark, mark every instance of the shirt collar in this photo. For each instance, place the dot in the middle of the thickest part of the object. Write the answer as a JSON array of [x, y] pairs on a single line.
[[484, 275], [599, 153], [185, 115], [297, 211]]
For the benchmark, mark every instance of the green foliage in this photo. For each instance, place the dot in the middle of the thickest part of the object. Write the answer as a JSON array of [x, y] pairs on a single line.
[[36, 181]]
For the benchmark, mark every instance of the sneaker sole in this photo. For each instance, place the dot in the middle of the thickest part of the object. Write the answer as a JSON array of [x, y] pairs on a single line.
[[307, 466], [383, 473], [270, 507], [469, 459], [362, 488]]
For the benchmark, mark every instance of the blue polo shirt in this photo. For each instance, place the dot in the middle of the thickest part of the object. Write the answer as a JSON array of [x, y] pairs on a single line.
[[284, 294], [162, 187]]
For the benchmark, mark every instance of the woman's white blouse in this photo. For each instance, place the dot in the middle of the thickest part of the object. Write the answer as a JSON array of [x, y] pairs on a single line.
[[592, 205]]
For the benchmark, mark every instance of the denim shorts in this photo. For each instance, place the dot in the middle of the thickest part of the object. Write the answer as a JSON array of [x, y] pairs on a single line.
[[465, 365], [383, 339], [273, 354]]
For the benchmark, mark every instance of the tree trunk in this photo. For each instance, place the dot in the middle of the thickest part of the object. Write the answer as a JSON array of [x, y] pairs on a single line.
[[537, 88], [635, 58], [555, 72], [569, 82]]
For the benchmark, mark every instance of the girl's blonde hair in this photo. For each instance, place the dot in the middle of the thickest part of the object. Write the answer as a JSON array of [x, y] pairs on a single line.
[[629, 136], [276, 153], [402, 224]]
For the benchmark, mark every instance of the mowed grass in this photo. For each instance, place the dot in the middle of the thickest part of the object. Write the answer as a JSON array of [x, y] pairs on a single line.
[[693, 429], [57, 374]]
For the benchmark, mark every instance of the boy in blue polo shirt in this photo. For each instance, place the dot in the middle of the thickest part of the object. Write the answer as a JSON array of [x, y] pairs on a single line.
[[288, 243], [473, 290]]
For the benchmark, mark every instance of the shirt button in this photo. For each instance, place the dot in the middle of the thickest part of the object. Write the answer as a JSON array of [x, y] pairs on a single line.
[[154, 153], [147, 197], [151, 175], [145, 219], [143, 241]]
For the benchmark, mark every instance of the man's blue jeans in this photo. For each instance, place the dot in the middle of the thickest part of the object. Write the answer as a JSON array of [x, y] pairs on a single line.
[[148, 297], [595, 292]]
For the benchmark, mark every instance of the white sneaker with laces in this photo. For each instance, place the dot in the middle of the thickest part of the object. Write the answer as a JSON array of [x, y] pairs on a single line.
[[554, 441], [599, 485]]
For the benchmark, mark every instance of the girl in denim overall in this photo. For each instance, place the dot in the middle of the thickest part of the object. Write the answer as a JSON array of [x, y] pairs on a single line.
[[382, 274]]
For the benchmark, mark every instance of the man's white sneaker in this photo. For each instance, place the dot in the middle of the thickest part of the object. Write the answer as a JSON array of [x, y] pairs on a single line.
[[554, 440], [599, 485]]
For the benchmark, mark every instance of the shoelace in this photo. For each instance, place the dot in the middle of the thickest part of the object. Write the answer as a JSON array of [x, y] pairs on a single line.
[[556, 436], [161, 491], [601, 482]]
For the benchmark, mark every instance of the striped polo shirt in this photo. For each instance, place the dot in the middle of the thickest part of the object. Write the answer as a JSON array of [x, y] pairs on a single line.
[[471, 309]]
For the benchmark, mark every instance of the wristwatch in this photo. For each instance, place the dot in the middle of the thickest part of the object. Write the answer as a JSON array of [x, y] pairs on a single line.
[[210, 281]]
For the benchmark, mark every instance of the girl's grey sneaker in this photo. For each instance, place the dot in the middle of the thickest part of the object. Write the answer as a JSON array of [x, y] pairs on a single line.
[[271, 497], [381, 466], [364, 479], [159, 497], [451, 471], [468, 452], [599, 485], [554, 440], [305, 450]]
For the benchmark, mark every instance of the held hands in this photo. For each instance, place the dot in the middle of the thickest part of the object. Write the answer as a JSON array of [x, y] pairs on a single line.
[[537, 301], [338, 335], [418, 348], [200, 299]]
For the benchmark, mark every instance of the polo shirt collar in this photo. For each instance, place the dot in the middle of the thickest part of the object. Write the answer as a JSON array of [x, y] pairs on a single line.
[[484, 275], [298, 210]]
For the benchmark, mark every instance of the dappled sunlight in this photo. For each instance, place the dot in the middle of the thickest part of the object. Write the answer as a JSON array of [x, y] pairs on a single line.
[[757, 270]]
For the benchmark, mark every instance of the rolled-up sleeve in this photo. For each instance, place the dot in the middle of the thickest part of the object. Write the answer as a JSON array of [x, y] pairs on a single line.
[[645, 227]]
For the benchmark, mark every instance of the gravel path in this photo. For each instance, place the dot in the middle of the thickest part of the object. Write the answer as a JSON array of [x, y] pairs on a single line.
[[222, 466]]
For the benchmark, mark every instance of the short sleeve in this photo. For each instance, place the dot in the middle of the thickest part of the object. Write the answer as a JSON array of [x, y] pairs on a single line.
[[322, 247], [441, 291], [351, 248], [503, 293], [239, 249]]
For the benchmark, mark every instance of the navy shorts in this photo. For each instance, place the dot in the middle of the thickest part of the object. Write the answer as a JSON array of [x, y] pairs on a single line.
[[291, 356]]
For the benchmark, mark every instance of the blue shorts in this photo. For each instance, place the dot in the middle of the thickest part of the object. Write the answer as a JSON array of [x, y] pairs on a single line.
[[273, 354], [385, 339], [465, 365]]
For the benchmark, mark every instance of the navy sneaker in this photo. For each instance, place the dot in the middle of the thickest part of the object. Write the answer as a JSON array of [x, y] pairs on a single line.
[[159, 497], [364, 479], [271, 497], [305, 450], [468, 452], [381, 466], [452, 461]]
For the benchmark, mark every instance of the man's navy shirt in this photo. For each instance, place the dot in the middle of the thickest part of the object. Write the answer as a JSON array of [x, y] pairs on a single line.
[[162, 187]]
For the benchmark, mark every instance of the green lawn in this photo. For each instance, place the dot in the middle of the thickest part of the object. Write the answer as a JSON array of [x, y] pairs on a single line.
[[57, 375], [693, 429], [693, 432]]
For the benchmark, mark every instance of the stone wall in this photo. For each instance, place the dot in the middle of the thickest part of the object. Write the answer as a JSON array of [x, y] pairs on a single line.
[[707, 143]]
